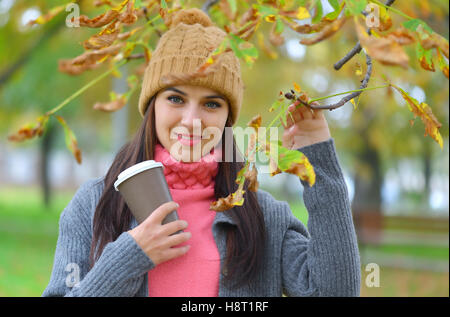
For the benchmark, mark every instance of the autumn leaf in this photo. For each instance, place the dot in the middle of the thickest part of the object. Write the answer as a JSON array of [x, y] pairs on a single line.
[[71, 140], [430, 40], [442, 63], [118, 101], [289, 161], [88, 60], [386, 50], [425, 113], [402, 36], [255, 122], [29, 131], [425, 58], [252, 177], [275, 37], [326, 32], [234, 199], [103, 39], [129, 16], [102, 19], [302, 13]]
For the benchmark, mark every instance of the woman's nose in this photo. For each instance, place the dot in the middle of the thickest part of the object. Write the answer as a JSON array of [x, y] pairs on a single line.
[[191, 116]]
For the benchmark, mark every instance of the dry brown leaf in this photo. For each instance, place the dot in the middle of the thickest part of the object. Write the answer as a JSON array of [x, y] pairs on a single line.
[[433, 40], [111, 106], [402, 36], [385, 50], [327, 31], [275, 38], [252, 177], [129, 16], [88, 60], [103, 39]]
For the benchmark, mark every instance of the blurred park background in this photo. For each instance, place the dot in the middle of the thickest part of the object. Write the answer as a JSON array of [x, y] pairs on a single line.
[[397, 177]]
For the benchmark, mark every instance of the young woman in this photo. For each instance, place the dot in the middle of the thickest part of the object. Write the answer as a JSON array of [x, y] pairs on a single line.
[[257, 249]]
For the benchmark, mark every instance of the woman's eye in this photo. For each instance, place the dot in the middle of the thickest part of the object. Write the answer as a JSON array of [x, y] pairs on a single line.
[[215, 105], [174, 97]]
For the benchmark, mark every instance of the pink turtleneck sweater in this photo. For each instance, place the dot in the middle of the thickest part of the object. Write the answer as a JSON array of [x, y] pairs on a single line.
[[196, 273]]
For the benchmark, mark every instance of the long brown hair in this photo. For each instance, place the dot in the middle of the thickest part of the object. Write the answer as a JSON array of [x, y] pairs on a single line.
[[245, 241]]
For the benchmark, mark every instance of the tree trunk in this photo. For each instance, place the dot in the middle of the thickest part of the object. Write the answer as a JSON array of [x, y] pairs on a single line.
[[45, 148], [367, 201], [426, 159]]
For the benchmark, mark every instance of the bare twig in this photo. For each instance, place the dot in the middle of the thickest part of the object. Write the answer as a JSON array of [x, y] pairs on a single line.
[[135, 56], [349, 97], [144, 9], [355, 50]]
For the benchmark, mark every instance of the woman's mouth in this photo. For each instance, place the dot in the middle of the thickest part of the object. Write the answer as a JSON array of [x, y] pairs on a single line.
[[189, 140]]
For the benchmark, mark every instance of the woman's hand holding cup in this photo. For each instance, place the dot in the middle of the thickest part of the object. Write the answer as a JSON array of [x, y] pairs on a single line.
[[157, 240]]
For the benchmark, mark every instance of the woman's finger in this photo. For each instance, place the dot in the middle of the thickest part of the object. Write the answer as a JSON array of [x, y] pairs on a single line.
[[296, 113], [306, 112]]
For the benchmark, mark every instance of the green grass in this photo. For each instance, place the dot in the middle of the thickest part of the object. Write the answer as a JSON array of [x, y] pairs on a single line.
[[28, 234], [421, 251]]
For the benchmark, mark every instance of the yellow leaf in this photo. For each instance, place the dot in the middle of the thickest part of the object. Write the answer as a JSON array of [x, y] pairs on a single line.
[[303, 13], [425, 113], [270, 18], [297, 87]]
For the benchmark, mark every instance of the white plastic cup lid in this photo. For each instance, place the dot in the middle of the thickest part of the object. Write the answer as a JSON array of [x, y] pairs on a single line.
[[135, 169]]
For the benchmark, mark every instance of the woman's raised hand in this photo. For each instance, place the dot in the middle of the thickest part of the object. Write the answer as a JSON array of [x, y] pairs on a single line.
[[307, 127], [156, 239]]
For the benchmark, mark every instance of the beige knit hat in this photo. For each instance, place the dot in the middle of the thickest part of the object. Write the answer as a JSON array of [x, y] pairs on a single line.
[[191, 38]]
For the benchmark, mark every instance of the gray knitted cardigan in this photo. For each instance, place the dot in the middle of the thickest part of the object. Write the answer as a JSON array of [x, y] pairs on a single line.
[[322, 260]]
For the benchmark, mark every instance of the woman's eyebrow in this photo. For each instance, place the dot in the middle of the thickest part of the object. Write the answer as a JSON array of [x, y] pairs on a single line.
[[184, 94]]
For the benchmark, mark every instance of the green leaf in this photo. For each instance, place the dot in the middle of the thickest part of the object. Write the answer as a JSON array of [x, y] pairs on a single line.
[[233, 5], [414, 23], [279, 27], [265, 10], [355, 7], [334, 4], [422, 52], [71, 140], [319, 12], [249, 54], [138, 4], [334, 15], [163, 4]]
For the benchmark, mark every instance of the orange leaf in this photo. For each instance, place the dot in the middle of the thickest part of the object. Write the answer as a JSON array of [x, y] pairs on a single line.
[[103, 39], [29, 131], [88, 60], [386, 50], [327, 31], [425, 113]]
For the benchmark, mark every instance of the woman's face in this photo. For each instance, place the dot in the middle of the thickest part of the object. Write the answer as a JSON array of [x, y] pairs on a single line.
[[190, 120]]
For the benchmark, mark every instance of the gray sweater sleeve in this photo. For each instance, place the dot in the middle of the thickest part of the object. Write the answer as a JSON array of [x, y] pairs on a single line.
[[116, 272], [325, 260]]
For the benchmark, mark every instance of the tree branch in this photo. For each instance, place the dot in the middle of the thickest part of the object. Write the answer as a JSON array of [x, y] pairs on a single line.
[[357, 48], [208, 4], [349, 97]]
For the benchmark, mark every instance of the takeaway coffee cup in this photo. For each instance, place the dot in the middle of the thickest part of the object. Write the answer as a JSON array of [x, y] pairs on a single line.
[[144, 188]]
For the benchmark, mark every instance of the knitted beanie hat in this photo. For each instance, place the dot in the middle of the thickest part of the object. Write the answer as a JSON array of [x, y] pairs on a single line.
[[190, 40]]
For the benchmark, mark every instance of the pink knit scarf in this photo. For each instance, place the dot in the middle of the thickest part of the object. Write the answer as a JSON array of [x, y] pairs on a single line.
[[196, 273], [191, 175]]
